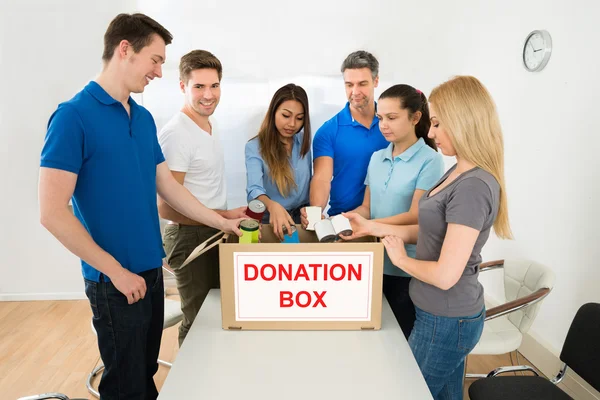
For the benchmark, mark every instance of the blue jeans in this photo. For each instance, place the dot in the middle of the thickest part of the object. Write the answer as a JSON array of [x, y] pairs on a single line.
[[128, 337], [440, 346]]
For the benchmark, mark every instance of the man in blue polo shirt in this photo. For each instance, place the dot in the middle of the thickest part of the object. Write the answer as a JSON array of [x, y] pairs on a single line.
[[101, 150], [343, 146]]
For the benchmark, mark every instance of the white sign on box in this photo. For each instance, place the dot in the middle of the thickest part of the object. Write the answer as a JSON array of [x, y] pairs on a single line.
[[317, 286]]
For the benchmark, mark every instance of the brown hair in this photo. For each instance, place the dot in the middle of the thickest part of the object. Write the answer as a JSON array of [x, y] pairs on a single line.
[[198, 59], [138, 29], [272, 149]]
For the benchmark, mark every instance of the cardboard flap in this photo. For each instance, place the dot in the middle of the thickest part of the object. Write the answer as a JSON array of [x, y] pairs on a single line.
[[204, 247]]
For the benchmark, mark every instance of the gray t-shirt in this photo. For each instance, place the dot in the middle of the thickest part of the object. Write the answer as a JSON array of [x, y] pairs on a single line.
[[472, 199]]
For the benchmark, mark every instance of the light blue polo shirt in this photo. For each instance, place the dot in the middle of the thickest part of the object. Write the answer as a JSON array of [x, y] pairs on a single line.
[[392, 183], [115, 159], [351, 145]]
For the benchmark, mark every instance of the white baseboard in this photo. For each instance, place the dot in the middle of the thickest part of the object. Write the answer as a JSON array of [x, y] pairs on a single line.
[[169, 283], [42, 296], [547, 360]]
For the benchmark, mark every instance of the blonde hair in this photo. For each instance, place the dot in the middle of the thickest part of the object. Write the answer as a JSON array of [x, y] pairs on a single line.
[[468, 113]]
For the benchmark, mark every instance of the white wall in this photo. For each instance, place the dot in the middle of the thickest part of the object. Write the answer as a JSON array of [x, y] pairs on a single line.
[[49, 51], [548, 117], [263, 46], [551, 143]]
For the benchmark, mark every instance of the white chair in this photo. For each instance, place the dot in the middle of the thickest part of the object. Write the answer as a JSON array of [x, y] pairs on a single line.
[[173, 315], [526, 284]]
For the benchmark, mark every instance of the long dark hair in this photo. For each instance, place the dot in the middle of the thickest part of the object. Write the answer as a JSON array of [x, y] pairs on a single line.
[[272, 149], [412, 100]]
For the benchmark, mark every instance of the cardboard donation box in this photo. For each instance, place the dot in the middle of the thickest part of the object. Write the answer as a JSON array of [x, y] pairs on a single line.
[[299, 286]]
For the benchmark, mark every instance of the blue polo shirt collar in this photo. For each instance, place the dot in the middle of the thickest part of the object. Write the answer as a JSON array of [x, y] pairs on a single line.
[[407, 154], [103, 97], [346, 117], [100, 94]]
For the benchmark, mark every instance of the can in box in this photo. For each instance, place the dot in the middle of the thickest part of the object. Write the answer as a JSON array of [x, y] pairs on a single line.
[[325, 232], [249, 228], [256, 209], [293, 238]]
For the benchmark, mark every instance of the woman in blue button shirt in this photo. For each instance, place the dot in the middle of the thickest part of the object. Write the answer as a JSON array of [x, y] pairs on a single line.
[[278, 159], [397, 177]]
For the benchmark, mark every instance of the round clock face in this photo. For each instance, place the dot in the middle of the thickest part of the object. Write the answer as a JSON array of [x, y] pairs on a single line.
[[536, 51]]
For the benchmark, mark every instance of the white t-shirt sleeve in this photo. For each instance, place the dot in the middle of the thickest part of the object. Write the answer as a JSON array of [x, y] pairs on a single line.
[[176, 148]]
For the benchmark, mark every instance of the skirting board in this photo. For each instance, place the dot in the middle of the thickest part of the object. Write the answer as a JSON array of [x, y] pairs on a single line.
[[42, 296], [169, 283], [538, 352]]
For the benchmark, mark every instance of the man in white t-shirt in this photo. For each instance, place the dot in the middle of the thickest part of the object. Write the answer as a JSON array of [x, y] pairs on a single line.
[[190, 144]]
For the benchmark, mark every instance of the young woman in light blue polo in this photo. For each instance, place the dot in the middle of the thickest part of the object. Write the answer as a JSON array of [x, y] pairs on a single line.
[[397, 177]]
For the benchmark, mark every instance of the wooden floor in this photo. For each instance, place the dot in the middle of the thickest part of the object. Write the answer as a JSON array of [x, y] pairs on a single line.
[[48, 346]]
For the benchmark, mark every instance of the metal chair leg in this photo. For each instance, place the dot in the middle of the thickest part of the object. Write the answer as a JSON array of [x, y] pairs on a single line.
[[100, 368], [516, 368], [513, 368], [42, 396], [91, 376], [165, 363], [475, 376]]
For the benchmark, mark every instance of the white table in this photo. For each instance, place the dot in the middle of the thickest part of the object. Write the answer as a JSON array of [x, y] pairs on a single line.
[[291, 365]]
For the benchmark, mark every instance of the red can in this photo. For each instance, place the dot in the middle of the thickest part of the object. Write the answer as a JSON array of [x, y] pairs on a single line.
[[256, 210]]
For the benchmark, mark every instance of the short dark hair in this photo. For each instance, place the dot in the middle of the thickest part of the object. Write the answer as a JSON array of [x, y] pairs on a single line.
[[198, 59], [138, 29], [361, 59]]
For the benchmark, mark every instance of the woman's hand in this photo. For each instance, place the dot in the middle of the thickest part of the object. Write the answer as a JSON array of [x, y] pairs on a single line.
[[395, 250], [278, 218], [360, 226]]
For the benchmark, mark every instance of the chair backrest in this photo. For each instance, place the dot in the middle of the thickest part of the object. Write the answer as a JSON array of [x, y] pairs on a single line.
[[581, 351], [521, 278]]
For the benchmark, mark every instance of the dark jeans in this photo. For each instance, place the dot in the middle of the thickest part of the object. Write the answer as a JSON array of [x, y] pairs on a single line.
[[128, 337], [195, 280], [395, 289]]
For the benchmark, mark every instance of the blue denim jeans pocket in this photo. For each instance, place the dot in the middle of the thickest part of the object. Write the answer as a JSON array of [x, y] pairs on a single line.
[[125, 316], [470, 330], [158, 279]]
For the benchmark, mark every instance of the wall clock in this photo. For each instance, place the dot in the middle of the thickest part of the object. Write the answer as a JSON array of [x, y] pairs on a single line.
[[537, 50]]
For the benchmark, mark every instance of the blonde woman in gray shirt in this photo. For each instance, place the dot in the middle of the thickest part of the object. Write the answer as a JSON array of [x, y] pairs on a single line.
[[455, 219]]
